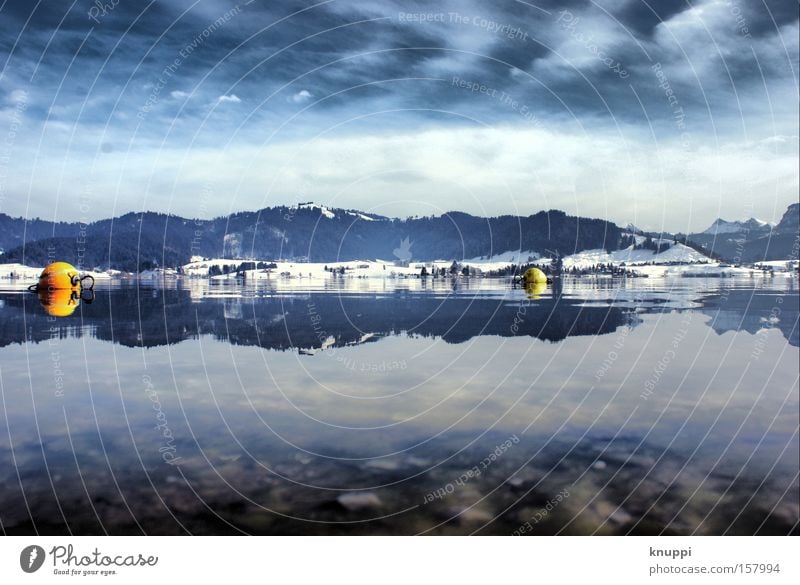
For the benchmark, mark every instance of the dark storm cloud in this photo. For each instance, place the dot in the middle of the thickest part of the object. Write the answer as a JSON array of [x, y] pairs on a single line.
[[145, 75], [120, 51], [643, 17], [764, 16]]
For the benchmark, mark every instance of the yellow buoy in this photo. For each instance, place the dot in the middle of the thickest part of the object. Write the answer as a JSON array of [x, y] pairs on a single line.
[[60, 289], [534, 276], [59, 302], [59, 276]]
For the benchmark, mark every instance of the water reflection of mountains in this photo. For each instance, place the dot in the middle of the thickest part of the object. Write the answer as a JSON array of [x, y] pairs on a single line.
[[742, 310], [157, 316], [306, 322]]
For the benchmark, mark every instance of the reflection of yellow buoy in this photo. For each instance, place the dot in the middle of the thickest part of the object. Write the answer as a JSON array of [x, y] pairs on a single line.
[[59, 276], [60, 302], [534, 276], [535, 289]]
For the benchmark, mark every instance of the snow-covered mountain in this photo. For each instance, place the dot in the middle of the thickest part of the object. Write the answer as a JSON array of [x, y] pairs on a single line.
[[331, 213], [632, 229], [721, 226], [752, 240]]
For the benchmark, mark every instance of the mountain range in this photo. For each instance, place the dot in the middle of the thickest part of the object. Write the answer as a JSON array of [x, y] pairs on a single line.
[[721, 226], [307, 231], [312, 232], [752, 240]]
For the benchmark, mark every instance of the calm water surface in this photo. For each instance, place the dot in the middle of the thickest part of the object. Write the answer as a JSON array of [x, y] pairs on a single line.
[[380, 407]]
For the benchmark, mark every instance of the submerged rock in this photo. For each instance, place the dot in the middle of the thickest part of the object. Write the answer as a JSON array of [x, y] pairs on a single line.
[[612, 513], [473, 515], [620, 516], [303, 458], [418, 461], [383, 464], [355, 501]]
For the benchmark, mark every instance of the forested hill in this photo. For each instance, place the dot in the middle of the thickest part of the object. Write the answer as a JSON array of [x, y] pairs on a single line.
[[306, 232]]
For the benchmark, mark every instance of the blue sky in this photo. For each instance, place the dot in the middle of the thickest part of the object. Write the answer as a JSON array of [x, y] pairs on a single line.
[[666, 114]]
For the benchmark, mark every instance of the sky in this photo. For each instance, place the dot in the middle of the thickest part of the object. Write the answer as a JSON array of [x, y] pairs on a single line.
[[667, 114]]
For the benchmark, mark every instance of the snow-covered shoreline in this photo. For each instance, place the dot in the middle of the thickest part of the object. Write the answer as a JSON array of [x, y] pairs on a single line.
[[677, 261], [28, 274]]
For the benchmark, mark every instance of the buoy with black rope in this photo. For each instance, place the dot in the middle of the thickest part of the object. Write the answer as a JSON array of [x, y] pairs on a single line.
[[61, 288]]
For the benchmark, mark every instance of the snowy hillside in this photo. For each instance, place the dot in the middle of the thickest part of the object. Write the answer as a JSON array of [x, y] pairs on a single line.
[[676, 253], [322, 209], [386, 269], [330, 213]]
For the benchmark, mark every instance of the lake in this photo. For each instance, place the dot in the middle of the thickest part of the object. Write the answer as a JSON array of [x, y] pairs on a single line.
[[364, 406]]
